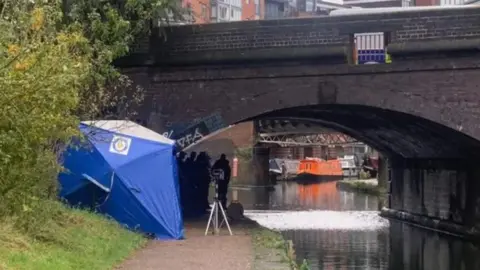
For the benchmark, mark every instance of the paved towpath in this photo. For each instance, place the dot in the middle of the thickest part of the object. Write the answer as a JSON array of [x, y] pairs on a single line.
[[197, 252]]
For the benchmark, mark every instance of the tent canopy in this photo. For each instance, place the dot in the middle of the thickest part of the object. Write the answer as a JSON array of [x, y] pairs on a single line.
[[128, 172]]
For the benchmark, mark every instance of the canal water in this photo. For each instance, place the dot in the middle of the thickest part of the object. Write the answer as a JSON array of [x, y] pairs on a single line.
[[335, 229]]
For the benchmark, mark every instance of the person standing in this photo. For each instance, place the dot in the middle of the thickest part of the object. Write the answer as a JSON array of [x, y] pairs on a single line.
[[204, 179], [190, 183], [223, 164], [181, 176]]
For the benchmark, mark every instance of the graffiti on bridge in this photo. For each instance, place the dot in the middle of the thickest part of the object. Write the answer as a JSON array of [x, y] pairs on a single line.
[[168, 134], [184, 132], [189, 133], [192, 135]]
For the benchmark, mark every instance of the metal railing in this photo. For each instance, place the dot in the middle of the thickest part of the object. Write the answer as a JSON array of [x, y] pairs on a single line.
[[306, 140]]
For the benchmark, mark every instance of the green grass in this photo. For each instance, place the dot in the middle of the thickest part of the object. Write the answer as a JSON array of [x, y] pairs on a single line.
[[272, 252], [361, 187], [81, 240], [267, 238]]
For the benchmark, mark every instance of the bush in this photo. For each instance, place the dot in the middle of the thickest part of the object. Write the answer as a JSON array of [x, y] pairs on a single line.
[[55, 70], [364, 175], [244, 154], [37, 102]]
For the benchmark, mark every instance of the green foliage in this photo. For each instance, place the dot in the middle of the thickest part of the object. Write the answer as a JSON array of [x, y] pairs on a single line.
[[364, 175], [55, 70], [265, 239], [361, 187], [268, 238], [37, 100], [111, 26], [244, 154], [304, 265]]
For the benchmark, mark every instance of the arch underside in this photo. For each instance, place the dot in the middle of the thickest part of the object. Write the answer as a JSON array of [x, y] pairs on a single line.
[[392, 133]]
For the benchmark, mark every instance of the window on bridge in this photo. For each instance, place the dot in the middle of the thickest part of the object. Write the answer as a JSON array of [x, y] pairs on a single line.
[[370, 48]]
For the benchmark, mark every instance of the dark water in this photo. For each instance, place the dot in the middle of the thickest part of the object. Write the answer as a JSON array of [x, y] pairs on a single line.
[[395, 246], [293, 196]]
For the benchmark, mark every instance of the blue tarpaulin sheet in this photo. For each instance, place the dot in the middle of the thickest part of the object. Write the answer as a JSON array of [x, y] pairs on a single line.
[[127, 172]]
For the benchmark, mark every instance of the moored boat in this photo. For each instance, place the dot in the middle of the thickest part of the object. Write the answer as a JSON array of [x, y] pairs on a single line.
[[316, 169]]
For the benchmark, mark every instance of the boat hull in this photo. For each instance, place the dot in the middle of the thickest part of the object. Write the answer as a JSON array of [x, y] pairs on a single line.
[[313, 178]]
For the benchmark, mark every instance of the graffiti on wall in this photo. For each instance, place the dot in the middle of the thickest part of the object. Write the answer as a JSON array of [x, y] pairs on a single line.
[[185, 133], [192, 135], [195, 128]]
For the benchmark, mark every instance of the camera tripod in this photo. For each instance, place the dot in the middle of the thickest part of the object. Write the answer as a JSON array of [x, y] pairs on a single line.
[[217, 207]]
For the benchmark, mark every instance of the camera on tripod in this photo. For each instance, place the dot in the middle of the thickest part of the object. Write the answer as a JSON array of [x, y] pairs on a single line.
[[217, 175], [217, 210]]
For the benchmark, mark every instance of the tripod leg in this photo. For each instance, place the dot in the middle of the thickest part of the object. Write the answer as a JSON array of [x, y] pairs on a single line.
[[225, 219], [216, 230], [210, 219]]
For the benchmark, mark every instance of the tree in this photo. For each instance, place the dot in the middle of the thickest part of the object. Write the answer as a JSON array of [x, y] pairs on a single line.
[[111, 27], [42, 70], [56, 70]]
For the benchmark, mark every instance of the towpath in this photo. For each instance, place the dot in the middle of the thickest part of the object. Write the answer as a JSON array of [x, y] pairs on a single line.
[[197, 252]]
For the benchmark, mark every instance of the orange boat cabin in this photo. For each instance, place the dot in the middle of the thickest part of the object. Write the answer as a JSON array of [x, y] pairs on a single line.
[[320, 167]]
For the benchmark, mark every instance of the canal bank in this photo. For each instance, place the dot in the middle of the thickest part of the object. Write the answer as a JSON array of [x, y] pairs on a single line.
[[367, 186], [469, 233], [333, 228], [370, 186], [273, 252]]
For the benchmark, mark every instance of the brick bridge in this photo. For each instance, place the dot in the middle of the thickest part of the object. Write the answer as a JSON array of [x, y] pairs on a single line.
[[421, 111]]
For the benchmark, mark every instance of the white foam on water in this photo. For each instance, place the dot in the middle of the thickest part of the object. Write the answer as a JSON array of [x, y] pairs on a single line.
[[319, 220]]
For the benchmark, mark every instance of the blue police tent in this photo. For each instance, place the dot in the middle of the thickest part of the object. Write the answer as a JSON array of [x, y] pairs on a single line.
[[128, 172]]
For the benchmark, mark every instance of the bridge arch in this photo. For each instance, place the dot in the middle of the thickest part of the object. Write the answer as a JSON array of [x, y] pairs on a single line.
[[427, 117], [409, 111], [440, 100], [391, 132], [423, 106], [432, 166]]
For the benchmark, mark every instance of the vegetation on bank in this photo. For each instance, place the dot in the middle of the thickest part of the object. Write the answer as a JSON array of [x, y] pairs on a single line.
[[244, 154], [361, 187], [273, 252], [55, 71], [66, 239]]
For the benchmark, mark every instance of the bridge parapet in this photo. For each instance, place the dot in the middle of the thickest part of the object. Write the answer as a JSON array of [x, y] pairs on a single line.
[[329, 37]]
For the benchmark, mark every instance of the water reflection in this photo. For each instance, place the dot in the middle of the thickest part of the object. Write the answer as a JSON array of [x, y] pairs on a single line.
[[341, 249], [343, 241], [414, 248], [317, 196], [400, 247]]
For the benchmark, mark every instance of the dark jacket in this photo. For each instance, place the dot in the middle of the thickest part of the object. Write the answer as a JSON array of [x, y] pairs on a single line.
[[223, 164]]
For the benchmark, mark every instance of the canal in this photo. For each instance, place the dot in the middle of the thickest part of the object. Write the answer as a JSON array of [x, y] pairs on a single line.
[[335, 229]]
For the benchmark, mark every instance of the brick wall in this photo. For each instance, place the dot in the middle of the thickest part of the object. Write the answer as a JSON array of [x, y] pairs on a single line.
[[327, 36], [248, 10], [227, 141], [251, 169], [426, 2], [200, 11], [436, 189], [442, 91]]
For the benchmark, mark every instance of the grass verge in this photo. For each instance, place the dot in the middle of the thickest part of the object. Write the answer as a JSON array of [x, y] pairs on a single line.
[[272, 252], [81, 240], [361, 187]]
